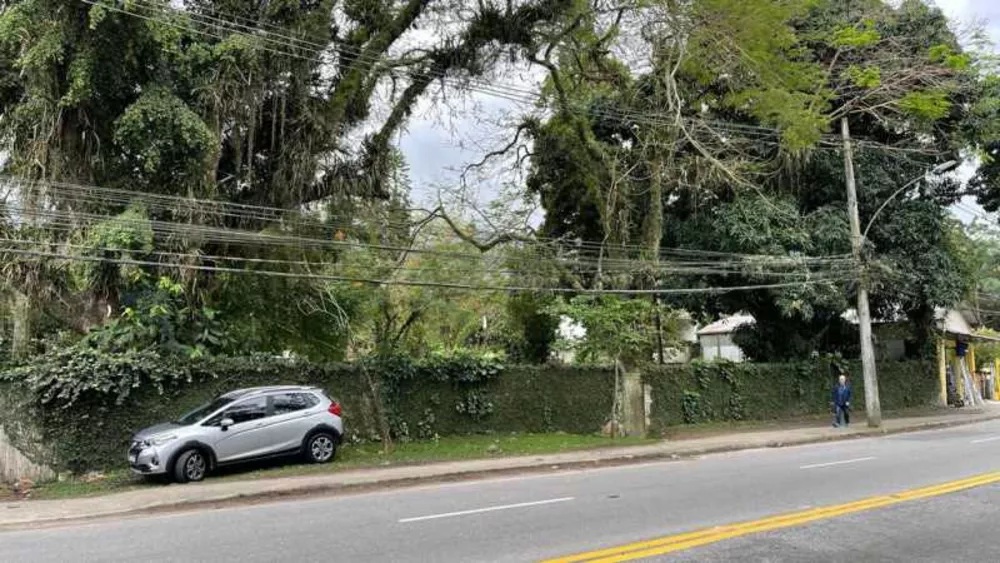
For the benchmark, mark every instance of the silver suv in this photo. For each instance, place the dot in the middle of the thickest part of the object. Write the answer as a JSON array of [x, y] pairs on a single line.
[[240, 426]]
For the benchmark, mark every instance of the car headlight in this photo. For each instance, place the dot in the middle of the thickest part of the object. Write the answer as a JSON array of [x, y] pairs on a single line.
[[159, 440]]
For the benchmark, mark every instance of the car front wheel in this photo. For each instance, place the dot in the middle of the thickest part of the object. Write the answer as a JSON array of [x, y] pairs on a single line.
[[191, 466], [321, 447]]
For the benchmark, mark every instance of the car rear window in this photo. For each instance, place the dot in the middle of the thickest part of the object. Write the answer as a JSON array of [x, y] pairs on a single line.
[[292, 402]]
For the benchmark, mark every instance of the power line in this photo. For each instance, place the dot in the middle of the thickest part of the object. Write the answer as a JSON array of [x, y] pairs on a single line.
[[102, 196], [241, 259], [416, 283], [761, 135], [189, 256], [67, 220], [524, 267]]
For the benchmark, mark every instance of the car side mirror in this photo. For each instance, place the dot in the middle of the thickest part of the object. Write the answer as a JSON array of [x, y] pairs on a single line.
[[225, 423]]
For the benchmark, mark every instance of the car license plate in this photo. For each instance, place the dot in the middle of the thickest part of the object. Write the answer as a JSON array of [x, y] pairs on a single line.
[[132, 458]]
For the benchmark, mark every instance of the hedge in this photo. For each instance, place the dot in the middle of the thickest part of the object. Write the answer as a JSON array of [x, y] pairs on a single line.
[[708, 392], [87, 426]]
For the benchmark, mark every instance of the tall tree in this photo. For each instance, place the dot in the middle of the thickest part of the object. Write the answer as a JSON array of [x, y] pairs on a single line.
[[281, 103], [726, 140]]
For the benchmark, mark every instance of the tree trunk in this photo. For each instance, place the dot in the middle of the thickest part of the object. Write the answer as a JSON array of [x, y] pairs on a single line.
[[924, 338], [23, 314], [374, 384], [652, 227]]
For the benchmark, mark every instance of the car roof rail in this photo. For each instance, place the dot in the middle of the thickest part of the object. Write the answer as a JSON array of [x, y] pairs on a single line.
[[263, 390]]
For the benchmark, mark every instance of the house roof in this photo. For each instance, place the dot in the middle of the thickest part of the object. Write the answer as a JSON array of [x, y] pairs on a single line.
[[951, 321], [726, 325]]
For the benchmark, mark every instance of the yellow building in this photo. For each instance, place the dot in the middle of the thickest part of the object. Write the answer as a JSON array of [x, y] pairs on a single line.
[[957, 335]]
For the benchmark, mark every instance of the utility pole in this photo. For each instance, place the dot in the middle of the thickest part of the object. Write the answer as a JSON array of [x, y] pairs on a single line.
[[872, 407]]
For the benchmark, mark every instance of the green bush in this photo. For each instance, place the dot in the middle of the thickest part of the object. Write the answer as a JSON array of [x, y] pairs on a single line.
[[706, 392]]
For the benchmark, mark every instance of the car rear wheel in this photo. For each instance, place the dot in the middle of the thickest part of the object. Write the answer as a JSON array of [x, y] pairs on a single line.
[[321, 447], [191, 466]]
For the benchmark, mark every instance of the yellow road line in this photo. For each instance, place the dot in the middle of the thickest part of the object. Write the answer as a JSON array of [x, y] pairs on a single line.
[[688, 540]]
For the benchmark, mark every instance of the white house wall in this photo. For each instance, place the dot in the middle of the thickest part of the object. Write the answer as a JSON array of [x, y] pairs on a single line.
[[720, 347]]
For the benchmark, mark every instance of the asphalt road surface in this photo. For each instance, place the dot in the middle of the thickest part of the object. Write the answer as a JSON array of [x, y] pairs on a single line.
[[958, 527], [536, 517]]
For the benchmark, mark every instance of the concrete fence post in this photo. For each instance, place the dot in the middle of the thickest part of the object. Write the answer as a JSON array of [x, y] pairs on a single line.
[[634, 403], [15, 466]]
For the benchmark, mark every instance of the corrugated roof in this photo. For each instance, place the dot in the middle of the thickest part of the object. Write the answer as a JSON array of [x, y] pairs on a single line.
[[726, 325], [952, 321]]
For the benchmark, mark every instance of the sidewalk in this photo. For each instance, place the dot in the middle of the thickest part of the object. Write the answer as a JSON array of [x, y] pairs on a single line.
[[26, 514]]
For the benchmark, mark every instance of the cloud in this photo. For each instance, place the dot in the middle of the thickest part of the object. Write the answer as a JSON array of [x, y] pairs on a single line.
[[974, 12], [987, 14]]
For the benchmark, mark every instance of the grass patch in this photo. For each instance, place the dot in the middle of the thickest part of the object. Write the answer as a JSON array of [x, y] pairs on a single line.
[[452, 448]]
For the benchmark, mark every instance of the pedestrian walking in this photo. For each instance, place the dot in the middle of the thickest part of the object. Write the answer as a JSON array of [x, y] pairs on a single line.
[[842, 402]]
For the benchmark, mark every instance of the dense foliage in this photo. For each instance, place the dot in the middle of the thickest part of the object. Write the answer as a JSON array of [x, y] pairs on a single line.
[[169, 98], [709, 173]]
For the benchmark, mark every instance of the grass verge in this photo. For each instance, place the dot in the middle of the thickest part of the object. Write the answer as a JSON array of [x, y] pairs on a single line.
[[453, 448]]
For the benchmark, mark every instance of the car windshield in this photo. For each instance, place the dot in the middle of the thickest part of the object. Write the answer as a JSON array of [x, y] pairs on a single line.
[[203, 411]]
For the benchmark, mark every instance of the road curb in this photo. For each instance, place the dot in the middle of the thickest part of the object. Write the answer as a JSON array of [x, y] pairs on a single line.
[[375, 484]]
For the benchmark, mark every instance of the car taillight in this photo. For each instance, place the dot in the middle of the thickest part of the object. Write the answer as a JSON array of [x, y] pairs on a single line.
[[334, 408]]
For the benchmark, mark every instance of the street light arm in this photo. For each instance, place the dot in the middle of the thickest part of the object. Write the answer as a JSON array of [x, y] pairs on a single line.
[[864, 235], [939, 169]]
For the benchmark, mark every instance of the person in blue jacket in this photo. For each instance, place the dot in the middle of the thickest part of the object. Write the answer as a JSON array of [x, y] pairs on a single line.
[[842, 402]]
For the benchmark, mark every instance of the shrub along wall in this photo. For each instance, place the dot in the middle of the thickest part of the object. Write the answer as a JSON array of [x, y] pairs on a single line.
[[87, 405], [705, 392]]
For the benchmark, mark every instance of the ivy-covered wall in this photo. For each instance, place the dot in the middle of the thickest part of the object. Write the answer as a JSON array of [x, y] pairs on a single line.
[[705, 392], [86, 406], [517, 399], [87, 424]]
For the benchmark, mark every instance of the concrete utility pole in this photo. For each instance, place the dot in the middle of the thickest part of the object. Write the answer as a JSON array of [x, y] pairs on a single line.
[[872, 406]]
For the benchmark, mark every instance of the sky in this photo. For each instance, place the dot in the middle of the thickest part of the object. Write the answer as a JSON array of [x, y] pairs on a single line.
[[985, 13], [438, 148], [440, 144]]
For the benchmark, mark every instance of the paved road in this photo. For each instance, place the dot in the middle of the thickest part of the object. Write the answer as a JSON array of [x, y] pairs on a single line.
[[536, 517], [957, 527]]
